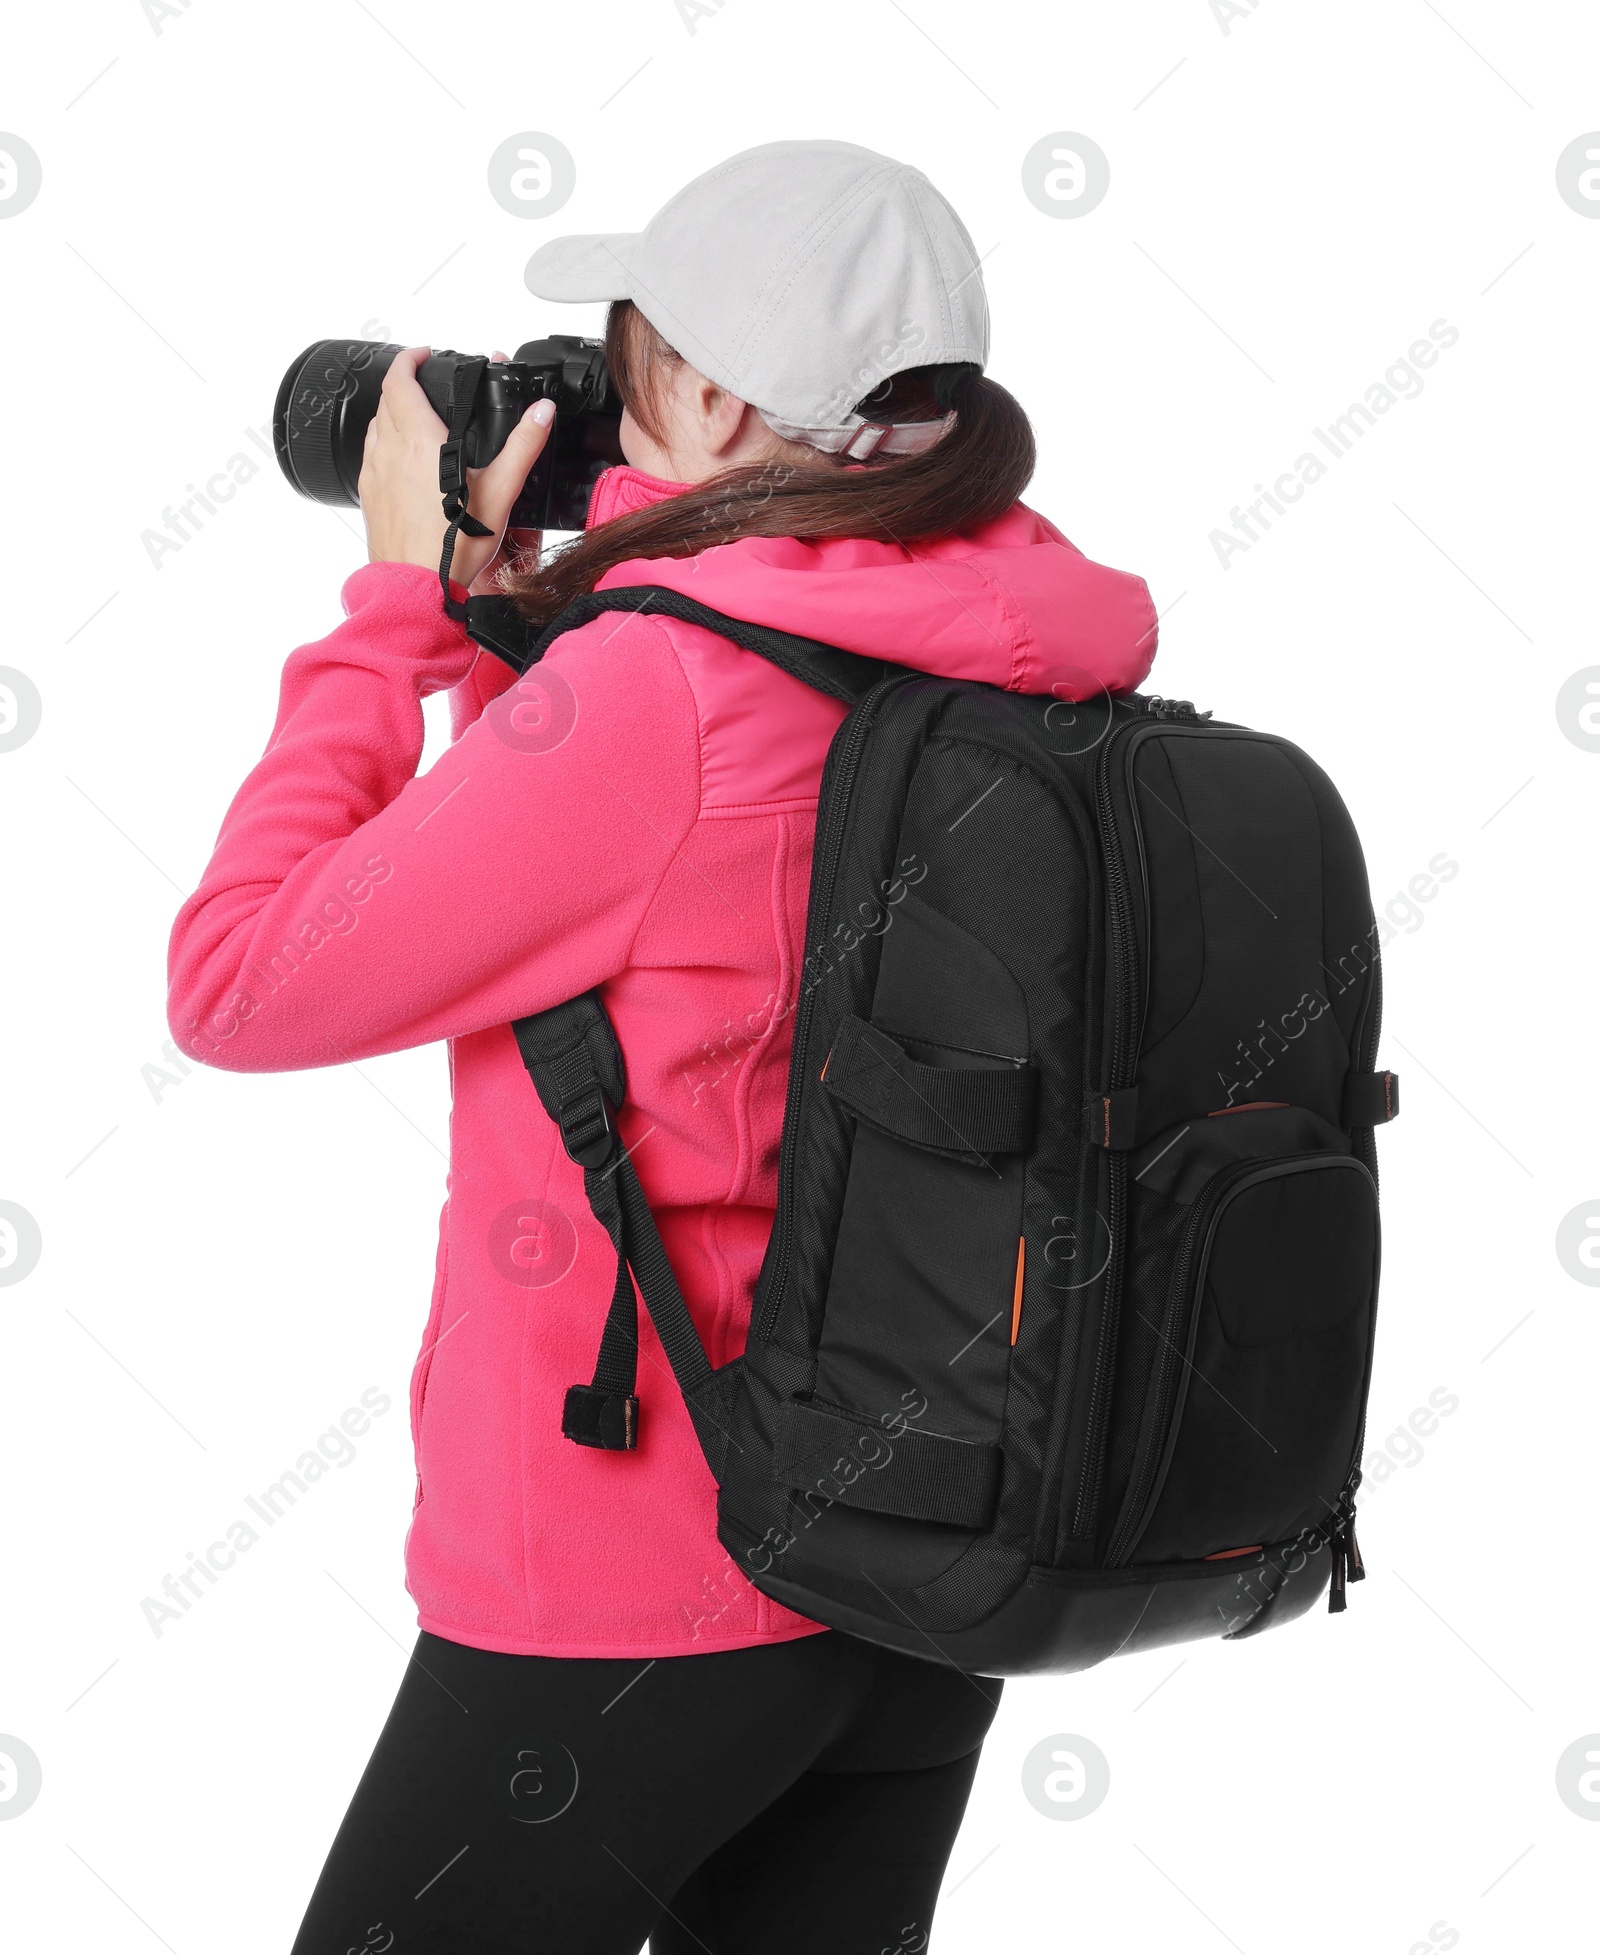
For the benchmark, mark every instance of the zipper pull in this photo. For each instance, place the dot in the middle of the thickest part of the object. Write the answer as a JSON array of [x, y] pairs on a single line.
[[1356, 1567], [1336, 1595], [1172, 709], [1347, 1565]]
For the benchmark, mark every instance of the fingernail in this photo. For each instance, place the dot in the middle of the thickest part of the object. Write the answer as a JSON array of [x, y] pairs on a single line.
[[544, 412]]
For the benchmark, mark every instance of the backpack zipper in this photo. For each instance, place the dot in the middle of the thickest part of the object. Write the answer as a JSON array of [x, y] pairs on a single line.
[[1367, 1059], [838, 780], [1123, 1065], [1347, 1563], [1172, 709], [1123, 1004]]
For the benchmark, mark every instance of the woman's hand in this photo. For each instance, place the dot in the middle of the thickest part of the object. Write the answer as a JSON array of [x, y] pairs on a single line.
[[399, 485]]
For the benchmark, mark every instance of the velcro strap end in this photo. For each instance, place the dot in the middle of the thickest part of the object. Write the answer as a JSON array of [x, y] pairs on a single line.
[[591, 1417]]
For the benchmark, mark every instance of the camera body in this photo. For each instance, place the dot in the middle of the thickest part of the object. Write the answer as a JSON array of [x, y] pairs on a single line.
[[329, 395]]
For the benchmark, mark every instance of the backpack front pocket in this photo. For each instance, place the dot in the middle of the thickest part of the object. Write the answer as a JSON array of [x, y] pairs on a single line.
[[1260, 1362], [920, 1301]]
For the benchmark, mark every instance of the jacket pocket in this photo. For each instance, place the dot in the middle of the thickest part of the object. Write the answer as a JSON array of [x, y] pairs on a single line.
[[430, 1337], [1259, 1361]]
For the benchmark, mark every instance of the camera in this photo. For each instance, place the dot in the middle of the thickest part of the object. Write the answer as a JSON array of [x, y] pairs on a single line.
[[330, 394]]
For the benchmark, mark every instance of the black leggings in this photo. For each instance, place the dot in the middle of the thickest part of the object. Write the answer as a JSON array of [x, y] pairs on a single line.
[[798, 1798]]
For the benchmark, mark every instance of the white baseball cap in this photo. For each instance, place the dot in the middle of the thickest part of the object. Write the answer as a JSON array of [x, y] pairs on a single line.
[[800, 276]]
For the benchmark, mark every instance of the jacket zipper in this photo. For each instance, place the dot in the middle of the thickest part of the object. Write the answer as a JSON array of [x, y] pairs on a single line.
[[839, 779], [1194, 1249]]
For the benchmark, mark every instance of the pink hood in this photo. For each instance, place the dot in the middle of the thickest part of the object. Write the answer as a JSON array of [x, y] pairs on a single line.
[[635, 814], [1014, 603]]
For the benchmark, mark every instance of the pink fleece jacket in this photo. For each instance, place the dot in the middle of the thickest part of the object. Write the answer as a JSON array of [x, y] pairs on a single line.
[[635, 813]]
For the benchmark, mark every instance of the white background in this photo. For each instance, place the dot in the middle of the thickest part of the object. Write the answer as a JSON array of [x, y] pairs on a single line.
[[230, 1261]]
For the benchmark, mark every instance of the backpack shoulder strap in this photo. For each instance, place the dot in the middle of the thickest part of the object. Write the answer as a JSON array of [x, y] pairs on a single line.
[[573, 1058], [843, 675]]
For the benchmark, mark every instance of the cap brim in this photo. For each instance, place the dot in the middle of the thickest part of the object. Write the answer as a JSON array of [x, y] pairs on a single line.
[[580, 269]]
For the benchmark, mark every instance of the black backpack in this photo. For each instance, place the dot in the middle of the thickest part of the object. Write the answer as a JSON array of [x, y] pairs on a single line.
[[1062, 1340]]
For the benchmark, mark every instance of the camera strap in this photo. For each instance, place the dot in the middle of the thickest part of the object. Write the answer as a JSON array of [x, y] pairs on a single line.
[[492, 622], [464, 382]]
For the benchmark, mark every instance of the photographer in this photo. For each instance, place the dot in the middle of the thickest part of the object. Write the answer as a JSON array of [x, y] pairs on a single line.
[[610, 1730]]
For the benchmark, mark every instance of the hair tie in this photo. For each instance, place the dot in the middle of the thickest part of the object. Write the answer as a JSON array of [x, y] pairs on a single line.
[[950, 381]]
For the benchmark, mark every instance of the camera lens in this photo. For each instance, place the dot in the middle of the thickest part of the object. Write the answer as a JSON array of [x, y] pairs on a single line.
[[319, 424]]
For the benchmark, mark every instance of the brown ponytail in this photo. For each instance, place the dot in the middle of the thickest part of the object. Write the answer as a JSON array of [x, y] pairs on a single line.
[[972, 475]]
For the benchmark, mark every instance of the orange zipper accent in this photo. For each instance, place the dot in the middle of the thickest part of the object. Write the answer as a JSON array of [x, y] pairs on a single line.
[[824, 1073], [1016, 1290], [1227, 1554]]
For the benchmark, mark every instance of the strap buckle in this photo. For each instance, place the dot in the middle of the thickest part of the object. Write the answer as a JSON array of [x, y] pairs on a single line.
[[588, 1126], [452, 475], [464, 382]]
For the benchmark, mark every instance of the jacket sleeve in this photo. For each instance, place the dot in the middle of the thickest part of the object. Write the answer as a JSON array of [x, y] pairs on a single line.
[[352, 907]]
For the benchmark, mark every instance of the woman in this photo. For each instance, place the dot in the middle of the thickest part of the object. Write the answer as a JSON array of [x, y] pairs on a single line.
[[606, 1732]]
